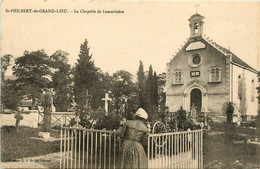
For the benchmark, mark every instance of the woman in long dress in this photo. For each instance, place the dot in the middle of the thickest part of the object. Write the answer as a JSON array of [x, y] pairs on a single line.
[[134, 134]]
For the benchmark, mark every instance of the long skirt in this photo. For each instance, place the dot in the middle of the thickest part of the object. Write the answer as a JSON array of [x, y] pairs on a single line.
[[133, 155]]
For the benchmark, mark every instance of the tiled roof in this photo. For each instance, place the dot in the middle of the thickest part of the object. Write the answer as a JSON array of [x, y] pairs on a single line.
[[235, 58]]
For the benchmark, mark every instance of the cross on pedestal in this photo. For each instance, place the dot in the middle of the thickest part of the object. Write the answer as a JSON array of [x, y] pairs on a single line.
[[106, 99]]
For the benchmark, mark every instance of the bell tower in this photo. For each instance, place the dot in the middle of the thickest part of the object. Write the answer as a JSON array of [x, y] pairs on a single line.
[[196, 25]]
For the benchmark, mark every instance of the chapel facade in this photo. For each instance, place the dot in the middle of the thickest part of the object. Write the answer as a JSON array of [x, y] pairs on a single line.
[[205, 75]]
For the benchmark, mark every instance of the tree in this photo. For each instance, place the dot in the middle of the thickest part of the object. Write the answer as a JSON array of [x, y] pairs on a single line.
[[122, 89], [33, 73], [5, 63], [9, 90], [148, 91], [10, 95], [85, 75], [154, 88], [102, 86], [61, 81], [141, 86]]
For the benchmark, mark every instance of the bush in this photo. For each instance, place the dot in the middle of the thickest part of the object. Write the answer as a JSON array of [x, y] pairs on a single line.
[[183, 122], [109, 122]]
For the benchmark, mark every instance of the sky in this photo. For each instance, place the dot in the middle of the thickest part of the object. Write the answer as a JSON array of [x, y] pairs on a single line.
[[150, 31]]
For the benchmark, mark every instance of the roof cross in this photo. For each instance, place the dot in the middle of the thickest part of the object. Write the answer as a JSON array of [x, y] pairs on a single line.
[[197, 6]]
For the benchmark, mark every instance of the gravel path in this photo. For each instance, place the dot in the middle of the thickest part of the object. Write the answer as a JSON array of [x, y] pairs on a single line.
[[45, 161]]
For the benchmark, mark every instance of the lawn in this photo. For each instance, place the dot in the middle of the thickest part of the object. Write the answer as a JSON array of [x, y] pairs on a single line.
[[16, 145], [225, 149]]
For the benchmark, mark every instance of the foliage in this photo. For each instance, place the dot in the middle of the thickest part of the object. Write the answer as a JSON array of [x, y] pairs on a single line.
[[154, 90], [141, 86], [33, 72], [183, 122], [61, 81], [148, 95], [122, 90], [102, 86], [85, 75], [109, 122], [5, 63], [10, 95]]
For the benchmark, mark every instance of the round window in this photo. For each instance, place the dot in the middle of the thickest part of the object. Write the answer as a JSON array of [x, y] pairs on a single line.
[[195, 60]]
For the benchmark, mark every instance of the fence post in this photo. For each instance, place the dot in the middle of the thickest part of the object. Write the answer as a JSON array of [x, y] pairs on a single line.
[[60, 146]]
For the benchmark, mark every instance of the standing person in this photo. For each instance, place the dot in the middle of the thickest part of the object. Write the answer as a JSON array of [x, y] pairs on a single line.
[[134, 134]]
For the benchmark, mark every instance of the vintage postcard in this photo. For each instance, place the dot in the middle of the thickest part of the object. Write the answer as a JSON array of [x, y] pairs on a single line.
[[130, 84]]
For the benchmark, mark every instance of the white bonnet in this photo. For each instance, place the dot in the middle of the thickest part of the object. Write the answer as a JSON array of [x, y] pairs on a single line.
[[141, 113]]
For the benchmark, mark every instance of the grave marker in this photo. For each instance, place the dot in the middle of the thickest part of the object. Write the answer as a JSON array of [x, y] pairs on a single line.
[[106, 99]]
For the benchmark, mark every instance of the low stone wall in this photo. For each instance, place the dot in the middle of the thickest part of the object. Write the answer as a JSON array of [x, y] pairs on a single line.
[[29, 120]]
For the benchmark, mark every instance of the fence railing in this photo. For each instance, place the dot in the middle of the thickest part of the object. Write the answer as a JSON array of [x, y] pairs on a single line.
[[57, 118], [176, 150], [87, 148]]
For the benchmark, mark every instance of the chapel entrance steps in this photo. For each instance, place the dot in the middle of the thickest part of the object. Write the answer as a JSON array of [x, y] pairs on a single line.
[[86, 148]]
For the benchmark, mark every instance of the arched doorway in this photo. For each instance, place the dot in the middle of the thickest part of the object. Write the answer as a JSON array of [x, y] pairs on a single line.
[[196, 99]]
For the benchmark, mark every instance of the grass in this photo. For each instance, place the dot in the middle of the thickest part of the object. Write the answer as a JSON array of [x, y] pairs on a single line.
[[221, 153], [15, 145], [218, 153]]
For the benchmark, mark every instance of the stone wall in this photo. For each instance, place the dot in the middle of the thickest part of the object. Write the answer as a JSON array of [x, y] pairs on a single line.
[[29, 120]]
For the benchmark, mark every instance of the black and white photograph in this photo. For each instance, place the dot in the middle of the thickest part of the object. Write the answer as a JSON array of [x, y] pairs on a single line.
[[130, 84]]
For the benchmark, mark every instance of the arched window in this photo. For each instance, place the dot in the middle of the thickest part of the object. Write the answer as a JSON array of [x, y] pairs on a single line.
[[239, 87], [215, 74], [177, 77], [253, 90]]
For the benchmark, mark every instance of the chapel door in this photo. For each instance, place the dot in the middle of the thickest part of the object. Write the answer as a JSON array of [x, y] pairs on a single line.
[[196, 99]]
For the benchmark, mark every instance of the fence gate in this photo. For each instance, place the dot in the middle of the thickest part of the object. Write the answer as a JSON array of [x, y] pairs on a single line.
[[176, 150], [87, 148]]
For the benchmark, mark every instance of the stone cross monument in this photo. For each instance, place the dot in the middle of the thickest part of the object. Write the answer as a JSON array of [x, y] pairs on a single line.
[[106, 99]]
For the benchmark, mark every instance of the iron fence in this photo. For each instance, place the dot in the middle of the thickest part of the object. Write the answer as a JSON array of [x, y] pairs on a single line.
[[88, 148], [57, 118], [176, 150]]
